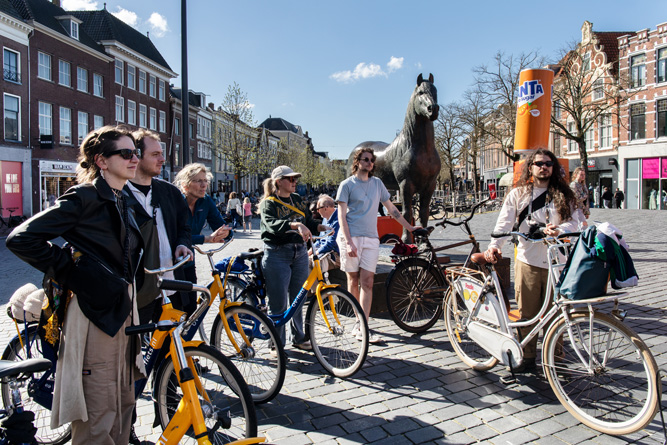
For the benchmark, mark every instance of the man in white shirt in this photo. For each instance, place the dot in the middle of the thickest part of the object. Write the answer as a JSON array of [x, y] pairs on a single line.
[[541, 198], [162, 202]]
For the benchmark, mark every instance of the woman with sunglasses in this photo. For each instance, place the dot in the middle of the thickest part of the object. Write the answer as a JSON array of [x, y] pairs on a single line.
[[193, 181], [285, 226], [97, 362]]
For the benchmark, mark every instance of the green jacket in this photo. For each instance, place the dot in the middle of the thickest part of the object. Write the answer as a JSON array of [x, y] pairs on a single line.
[[276, 219]]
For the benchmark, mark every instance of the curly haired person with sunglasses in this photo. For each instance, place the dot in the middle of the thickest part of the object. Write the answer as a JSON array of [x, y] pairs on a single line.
[[542, 199]]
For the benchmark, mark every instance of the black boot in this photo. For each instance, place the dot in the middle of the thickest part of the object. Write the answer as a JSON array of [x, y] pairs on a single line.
[[134, 440]]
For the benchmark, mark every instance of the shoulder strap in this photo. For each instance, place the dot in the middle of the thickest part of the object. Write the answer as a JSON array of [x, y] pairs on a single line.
[[292, 208], [538, 203]]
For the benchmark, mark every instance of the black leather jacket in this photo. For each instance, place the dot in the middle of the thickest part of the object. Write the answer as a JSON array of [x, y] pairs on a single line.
[[86, 216]]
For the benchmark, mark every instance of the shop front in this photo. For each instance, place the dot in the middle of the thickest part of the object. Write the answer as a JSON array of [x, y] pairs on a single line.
[[602, 172], [55, 177], [646, 183], [11, 193]]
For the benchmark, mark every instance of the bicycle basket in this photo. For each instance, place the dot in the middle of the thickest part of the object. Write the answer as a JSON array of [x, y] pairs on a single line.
[[238, 266], [585, 275]]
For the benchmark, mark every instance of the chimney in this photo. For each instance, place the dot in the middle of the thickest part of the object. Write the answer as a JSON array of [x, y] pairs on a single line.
[[57, 3], [211, 105]]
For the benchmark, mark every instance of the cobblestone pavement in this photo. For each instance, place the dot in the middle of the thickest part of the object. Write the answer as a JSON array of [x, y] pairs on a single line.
[[413, 388]]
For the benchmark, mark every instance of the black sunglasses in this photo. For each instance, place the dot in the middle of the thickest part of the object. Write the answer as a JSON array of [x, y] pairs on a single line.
[[539, 164], [125, 153], [367, 160]]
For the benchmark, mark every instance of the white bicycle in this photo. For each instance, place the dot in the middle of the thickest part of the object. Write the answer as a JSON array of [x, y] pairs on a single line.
[[599, 368]]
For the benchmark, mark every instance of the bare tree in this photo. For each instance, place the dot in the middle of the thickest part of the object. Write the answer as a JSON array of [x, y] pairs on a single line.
[[449, 135], [472, 112], [498, 85], [584, 92], [235, 137]]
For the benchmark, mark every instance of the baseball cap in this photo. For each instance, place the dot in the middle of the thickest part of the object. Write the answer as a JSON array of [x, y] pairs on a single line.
[[282, 172]]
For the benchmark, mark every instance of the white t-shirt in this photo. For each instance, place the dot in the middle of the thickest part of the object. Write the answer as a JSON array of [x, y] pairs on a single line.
[[363, 199]]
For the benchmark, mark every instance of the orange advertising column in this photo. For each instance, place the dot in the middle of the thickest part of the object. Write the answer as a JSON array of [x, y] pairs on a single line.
[[533, 116]]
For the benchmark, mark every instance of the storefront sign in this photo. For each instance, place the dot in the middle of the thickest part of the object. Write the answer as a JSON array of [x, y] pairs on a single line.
[[591, 163], [57, 167], [650, 168], [11, 193], [664, 167]]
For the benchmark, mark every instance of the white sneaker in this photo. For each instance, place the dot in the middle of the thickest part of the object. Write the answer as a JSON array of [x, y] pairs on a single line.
[[355, 330], [373, 338]]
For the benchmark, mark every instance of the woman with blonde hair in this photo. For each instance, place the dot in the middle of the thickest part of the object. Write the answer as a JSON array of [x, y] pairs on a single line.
[[95, 373], [285, 226], [578, 186], [247, 215], [235, 209], [193, 181]]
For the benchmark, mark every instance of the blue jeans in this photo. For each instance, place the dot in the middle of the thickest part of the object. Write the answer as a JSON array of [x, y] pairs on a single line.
[[285, 270]]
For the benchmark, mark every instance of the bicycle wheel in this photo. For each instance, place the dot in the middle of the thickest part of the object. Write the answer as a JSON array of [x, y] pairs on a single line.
[[342, 349], [438, 211], [233, 289], [36, 390], [470, 353], [262, 362], [228, 396], [410, 309], [618, 393]]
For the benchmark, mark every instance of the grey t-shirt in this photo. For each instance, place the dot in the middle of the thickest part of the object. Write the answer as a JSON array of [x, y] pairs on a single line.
[[363, 199]]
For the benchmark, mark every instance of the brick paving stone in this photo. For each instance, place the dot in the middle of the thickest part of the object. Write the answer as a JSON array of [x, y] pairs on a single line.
[[515, 437], [469, 420], [327, 421], [362, 423], [545, 427], [458, 438], [506, 424], [424, 434], [330, 433], [400, 426], [481, 432], [298, 439], [549, 440], [452, 412], [576, 433]]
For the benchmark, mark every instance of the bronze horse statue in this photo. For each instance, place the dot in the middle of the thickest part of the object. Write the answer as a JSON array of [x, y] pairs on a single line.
[[411, 163]]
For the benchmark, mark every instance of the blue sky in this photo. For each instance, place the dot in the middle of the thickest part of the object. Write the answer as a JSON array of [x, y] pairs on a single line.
[[344, 70]]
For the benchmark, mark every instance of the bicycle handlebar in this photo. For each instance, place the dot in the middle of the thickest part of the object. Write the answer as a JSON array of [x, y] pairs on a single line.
[[163, 270], [540, 233], [163, 325], [182, 286], [210, 252], [462, 222]]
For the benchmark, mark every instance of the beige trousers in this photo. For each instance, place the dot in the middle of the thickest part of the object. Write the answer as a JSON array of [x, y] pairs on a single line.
[[530, 287]]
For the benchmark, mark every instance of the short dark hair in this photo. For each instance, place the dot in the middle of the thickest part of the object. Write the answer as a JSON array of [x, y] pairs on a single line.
[[139, 136]]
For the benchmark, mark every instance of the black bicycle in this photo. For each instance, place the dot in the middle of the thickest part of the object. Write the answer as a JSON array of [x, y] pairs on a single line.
[[11, 221], [417, 284]]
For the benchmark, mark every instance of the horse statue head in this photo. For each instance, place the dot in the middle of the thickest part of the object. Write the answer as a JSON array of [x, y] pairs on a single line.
[[424, 99]]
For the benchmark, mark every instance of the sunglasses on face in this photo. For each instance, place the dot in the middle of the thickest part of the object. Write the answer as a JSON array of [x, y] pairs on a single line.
[[125, 153], [292, 178], [370, 160], [320, 208], [540, 164]]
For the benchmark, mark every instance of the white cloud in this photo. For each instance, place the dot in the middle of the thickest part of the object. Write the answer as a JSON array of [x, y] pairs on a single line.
[[158, 24], [367, 71], [79, 5], [395, 63], [128, 17]]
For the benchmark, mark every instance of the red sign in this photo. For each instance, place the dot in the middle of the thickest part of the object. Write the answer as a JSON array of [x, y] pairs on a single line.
[[492, 191], [651, 168], [11, 194], [664, 167]]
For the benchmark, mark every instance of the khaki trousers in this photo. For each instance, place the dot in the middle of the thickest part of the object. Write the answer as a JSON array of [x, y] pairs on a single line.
[[530, 287], [108, 389]]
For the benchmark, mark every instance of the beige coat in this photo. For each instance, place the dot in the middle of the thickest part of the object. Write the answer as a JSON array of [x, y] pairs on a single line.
[[69, 403]]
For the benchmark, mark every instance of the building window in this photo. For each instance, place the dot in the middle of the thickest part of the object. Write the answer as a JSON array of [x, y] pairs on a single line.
[[151, 86], [98, 85], [662, 65], [82, 126], [65, 125], [161, 90], [557, 109], [586, 62], [131, 77], [45, 116], [605, 130], [12, 118], [556, 143], [120, 109], [44, 66], [82, 79], [64, 73], [142, 115], [74, 30], [11, 66], [98, 122], [598, 89], [162, 127], [638, 71], [142, 81], [572, 146], [177, 125], [131, 112], [637, 121], [153, 119], [119, 71], [662, 117], [589, 139]]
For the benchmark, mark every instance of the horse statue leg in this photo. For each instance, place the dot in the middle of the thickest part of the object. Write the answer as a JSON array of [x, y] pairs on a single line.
[[425, 205], [407, 192]]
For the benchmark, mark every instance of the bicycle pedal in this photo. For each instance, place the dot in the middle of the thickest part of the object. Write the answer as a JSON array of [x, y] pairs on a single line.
[[509, 380]]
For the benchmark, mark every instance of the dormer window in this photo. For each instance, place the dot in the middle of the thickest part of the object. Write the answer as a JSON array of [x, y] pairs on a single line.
[[71, 25], [74, 30]]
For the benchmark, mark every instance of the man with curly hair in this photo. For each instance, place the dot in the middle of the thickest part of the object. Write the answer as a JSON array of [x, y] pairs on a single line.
[[541, 199]]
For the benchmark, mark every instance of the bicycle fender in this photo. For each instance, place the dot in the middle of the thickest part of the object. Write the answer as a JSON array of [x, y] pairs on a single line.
[[321, 285], [186, 344]]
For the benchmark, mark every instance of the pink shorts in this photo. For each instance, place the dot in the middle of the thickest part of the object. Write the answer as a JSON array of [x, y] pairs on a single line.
[[368, 252]]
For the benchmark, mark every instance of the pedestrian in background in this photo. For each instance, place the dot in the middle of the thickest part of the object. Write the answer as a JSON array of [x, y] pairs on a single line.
[[247, 215], [578, 186], [619, 197], [96, 368], [235, 209], [607, 196]]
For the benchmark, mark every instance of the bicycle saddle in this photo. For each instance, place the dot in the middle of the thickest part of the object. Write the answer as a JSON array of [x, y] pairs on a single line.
[[250, 255], [11, 368]]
